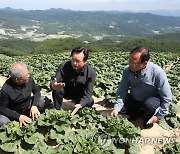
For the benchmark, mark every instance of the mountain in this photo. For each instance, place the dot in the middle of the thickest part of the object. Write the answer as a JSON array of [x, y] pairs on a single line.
[[39, 25], [175, 13]]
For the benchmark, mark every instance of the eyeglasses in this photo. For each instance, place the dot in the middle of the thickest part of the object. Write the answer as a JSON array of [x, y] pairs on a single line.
[[76, 60], [26, 77], [133, 64]]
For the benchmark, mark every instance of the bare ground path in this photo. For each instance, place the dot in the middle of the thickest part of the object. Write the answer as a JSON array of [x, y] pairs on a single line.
[[156, 132]]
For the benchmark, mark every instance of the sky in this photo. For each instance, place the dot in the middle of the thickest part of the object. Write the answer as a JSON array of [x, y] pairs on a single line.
[[92, 5]]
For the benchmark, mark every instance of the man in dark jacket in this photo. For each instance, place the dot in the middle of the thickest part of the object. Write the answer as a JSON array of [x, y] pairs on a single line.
[[16, 102], [74, 80]]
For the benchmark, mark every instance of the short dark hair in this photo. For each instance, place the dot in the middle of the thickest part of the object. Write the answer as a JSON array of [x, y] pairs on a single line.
[[145, 56], [79, 50]]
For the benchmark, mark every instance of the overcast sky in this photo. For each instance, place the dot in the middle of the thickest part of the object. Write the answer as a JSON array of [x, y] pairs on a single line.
[[136, 5]]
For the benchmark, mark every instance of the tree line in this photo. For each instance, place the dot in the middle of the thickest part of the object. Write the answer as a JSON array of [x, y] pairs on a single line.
[[13, 47]]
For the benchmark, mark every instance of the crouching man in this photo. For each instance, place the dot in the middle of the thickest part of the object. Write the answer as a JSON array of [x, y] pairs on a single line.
[[74, 80], [16, 99], [144, 90]]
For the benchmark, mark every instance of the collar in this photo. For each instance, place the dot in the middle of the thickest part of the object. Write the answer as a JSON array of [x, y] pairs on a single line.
[[143, 71], [82, 70], [16, 85]]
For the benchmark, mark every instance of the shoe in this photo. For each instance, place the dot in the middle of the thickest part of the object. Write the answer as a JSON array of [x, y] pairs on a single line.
[[146, 119], [50, 105], [148, 126]]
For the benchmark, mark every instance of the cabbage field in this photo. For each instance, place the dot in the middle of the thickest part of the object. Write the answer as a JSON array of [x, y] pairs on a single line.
[[83, 133], [108, 65]]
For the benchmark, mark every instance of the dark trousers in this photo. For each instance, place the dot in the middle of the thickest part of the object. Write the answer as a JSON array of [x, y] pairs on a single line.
[[43, 103], [58, 96], [148, 107]]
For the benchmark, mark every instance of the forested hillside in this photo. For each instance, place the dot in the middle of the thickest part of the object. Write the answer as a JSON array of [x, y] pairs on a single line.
[[85, 25], [13, 47]]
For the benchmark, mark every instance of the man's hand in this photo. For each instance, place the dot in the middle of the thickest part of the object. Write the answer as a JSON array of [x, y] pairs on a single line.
[[154, 119], [114, 113], [34, 112], [24, 120], [77, 107], [56, 85]]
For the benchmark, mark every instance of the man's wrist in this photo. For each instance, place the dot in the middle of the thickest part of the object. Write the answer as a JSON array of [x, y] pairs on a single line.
[[117, 109], [33, 106], [52, 87]]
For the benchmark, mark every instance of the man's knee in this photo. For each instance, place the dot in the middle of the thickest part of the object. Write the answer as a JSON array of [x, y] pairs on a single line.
[[44, 102], [58, 93], [4, 120], [151, 103], [90, 103]]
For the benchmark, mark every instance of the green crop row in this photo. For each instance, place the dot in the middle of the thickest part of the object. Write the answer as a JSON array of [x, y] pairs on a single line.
[[56, 131]]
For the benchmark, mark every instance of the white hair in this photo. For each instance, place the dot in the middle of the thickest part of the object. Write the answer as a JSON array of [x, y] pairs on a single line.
[[17, 72]]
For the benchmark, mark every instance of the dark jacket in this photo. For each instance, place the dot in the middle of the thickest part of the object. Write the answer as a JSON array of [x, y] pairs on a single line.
[[78, 85], [16, 99]]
